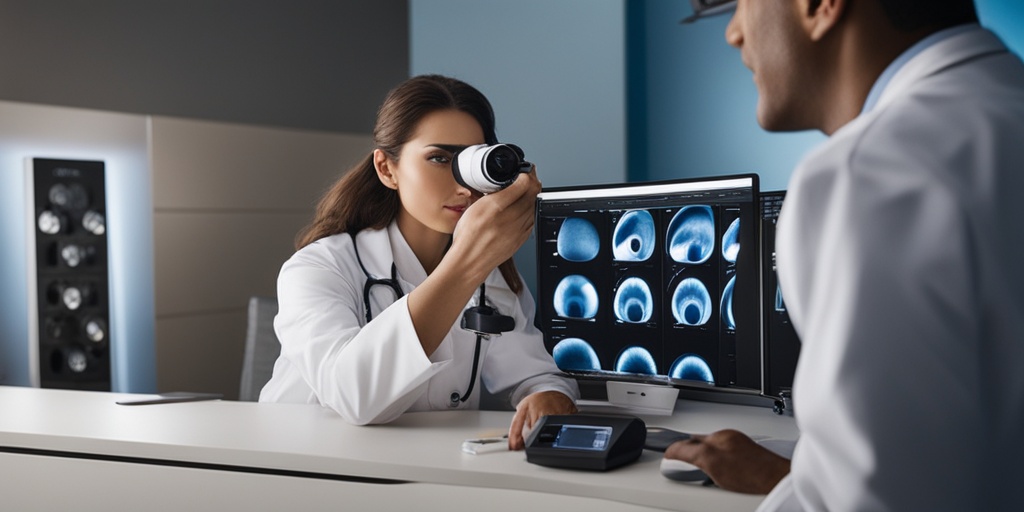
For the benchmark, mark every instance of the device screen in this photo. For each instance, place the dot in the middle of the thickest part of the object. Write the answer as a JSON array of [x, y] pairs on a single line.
[[583, 437], [781, 343]]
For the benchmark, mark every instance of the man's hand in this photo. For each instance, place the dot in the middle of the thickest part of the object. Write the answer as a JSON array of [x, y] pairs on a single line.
[[732, 460], [533, 408]]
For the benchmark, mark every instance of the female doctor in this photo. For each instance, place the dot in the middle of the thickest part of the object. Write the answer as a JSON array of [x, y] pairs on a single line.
[[371, 303]]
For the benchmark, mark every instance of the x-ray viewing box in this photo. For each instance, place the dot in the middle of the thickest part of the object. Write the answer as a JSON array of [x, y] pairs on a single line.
[[658, 283]]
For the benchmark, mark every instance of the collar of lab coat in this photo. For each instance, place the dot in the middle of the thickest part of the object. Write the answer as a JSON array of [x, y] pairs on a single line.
[[410, 271], [944, 54], [378, 248]]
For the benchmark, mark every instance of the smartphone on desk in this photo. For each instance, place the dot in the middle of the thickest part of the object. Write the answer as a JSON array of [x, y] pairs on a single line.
[[485, 445]]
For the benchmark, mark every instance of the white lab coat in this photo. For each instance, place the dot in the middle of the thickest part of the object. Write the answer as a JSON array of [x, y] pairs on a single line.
[[373, 372], [900, 254]]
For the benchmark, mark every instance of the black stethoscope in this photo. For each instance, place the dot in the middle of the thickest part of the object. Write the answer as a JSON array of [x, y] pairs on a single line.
[[481, 319]]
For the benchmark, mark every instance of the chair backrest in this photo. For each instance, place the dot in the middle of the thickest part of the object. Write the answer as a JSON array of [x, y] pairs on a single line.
[[261, 348]]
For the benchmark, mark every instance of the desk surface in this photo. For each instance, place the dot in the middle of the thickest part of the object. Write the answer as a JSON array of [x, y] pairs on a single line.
[[311, 440]]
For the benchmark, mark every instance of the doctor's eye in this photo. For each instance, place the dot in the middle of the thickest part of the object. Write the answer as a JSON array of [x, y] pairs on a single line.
[[440, 158]]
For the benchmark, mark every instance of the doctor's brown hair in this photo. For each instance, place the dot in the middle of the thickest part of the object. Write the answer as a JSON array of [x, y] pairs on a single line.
[[359, 200]]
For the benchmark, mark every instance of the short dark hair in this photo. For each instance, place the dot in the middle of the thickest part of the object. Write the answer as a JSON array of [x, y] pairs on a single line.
[[909, 15]]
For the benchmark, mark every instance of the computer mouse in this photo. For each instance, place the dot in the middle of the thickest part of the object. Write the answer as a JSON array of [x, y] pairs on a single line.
[[675, 469]]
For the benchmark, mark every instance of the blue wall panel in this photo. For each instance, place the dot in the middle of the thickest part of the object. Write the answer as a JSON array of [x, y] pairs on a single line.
[[554, 71], [695, 113]]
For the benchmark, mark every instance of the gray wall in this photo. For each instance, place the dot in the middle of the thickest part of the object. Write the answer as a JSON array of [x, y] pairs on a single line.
[[315, 64]]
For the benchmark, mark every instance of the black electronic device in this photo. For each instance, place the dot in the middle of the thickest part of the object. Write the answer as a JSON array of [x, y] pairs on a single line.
[[580, 441], [486, 321], [653, 282], [69, 303], [781, 343]]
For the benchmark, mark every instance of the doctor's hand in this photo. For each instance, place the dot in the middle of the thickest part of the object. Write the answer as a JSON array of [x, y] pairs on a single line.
[[531, 409], [732, 460], [495, 226]]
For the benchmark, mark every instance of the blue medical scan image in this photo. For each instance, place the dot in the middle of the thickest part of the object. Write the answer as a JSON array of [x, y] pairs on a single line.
[[691, 235], [727, 316], [731, 242], [634, 236], [691, 302], [578, 240], [691, 367], [575, 297], [636, 360], [633, 301], [575, 354]]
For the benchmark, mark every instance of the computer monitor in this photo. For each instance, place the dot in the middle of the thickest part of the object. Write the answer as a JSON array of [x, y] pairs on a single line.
[[653, 282], [781, 343]]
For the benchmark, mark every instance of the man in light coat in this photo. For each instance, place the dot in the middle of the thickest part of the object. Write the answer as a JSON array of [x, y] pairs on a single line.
[[900, 254]]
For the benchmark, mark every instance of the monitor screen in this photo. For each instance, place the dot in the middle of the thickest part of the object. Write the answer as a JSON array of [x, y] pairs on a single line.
[[781, 344], [653, 281]]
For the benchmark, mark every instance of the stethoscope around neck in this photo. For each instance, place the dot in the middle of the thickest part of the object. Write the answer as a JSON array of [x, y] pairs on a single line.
[[482, 320]]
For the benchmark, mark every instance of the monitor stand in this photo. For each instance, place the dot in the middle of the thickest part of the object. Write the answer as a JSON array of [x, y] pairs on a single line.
[[634, 397]]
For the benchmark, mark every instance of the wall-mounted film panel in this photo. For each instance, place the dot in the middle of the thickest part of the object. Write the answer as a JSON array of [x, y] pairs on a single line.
[[69, 305]]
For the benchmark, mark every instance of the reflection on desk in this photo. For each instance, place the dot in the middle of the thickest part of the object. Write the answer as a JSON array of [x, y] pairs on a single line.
[[75, 449]]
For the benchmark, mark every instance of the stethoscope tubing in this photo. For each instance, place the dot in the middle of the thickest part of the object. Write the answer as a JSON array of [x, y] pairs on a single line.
[[393, 283]]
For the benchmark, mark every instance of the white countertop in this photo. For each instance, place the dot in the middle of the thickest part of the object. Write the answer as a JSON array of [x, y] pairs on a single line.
[[418, 447]]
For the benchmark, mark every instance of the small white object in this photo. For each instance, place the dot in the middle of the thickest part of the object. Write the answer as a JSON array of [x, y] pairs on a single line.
[[485, 445]]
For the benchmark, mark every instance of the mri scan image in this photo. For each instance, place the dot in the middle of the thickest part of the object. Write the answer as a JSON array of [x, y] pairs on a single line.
[[634, 236], [633, 301], [578, 240], [636, 360], [691, 302], [731, 242], [575, 354], [727, 316], [691, 367], [575, 297], [691, 235]]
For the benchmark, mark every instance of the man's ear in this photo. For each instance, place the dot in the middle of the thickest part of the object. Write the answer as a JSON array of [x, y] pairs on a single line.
[[384, 167], [821, 19]]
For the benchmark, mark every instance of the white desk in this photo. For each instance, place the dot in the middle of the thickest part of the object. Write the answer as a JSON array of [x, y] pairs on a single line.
[[64, 450]]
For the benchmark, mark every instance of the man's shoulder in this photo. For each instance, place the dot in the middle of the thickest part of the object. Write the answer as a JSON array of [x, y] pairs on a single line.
[[933, 121]]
